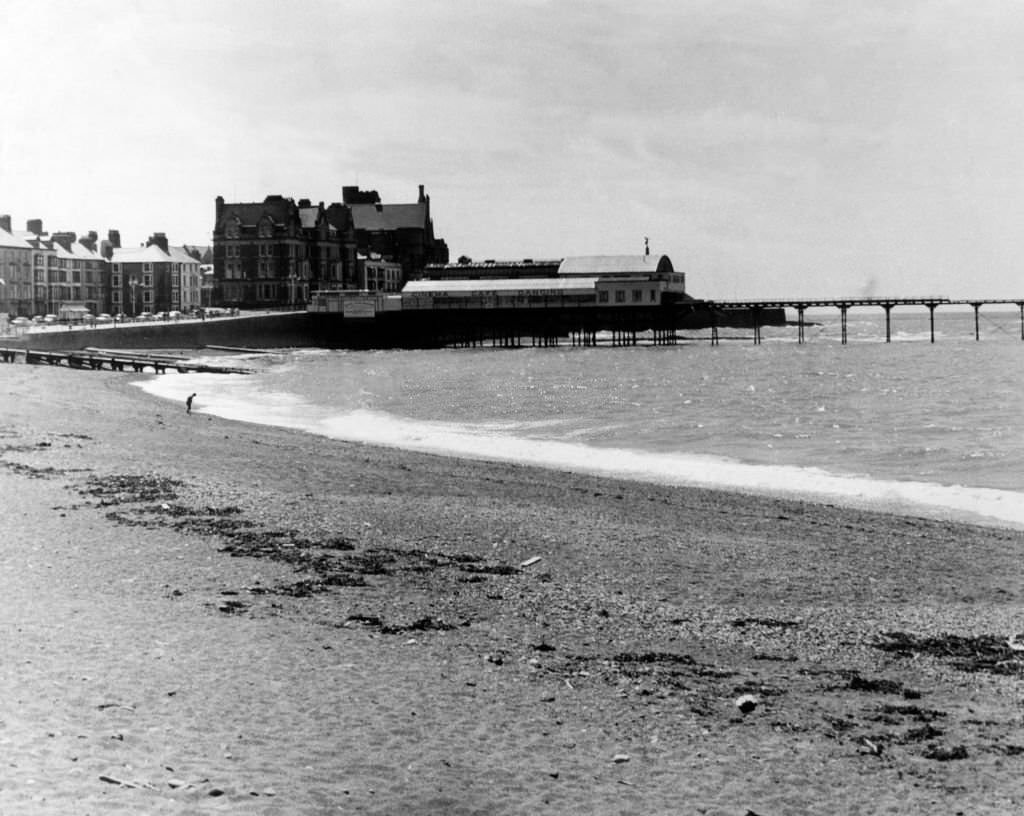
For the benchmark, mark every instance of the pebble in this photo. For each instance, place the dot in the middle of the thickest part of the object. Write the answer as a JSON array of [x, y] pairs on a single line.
[[746, 703], [619, 758]]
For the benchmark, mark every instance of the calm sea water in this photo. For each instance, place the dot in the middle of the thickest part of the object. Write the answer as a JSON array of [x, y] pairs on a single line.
[[934, 429]]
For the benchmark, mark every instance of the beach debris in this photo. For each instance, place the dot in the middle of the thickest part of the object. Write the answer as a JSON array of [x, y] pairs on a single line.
[[231, 607], [980, 653], [879, 685], [746, 703], [124, 783], [493, 658], [618, 759], [104, 706], [942, 753], [529, 562], [870, 747]]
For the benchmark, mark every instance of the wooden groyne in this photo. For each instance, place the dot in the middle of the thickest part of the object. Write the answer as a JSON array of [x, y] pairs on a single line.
[[116, 361]]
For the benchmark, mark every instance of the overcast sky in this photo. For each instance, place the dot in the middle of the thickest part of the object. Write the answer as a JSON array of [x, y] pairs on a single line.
[[771, 148]]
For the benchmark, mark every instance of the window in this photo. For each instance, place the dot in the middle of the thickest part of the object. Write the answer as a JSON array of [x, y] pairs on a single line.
[[602, 296], [147, 280], [115, 280], [231, 229], [638, 295], [654, 296], [266, 229], [620, 295], [147, 297]]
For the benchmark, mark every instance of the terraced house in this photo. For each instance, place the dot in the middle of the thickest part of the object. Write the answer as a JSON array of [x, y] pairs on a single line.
[[16, 291], [156, 277]]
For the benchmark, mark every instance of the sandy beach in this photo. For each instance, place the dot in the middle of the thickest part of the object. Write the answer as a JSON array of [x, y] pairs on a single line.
[[202, 616]]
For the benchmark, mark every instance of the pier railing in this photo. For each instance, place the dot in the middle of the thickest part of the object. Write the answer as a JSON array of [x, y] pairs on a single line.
[[800, 305]]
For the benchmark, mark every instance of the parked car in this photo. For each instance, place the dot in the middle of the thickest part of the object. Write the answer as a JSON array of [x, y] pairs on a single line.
[[50, 318], [145, 316], [174, 315], [21, 321], [104, 318]]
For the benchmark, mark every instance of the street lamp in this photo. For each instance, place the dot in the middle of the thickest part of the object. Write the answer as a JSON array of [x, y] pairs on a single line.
[[133, 282]]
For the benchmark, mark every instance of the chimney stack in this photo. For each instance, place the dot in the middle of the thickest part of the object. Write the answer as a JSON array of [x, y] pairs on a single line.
[[158, 238], [5, 222], [35, 226], [422, 195], [65, 239], [114, 236]]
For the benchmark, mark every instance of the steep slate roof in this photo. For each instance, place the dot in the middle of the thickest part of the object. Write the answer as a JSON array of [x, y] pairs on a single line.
[[250, 213], [309, 216], [180, 255], [10, 241], [389, 216], [149, 254], [615, 264], [81, 251]]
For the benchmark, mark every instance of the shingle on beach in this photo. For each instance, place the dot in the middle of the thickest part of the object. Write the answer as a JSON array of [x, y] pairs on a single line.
[[202, 613]]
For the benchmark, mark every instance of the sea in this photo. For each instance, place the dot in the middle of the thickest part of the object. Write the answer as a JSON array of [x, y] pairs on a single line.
[[909, 426]]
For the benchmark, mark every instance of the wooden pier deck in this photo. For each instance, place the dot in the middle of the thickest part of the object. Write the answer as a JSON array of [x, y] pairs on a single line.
[[116, 361], [800, 305]]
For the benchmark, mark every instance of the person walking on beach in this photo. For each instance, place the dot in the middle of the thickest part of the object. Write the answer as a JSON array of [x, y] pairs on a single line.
[[188, 403]]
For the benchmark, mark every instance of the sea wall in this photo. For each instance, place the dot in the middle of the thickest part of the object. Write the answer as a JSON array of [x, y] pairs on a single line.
[[291, 329], [398, 329]]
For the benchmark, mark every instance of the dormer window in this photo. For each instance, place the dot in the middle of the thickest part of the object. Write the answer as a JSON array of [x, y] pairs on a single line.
[[266, 228], [231, 229]]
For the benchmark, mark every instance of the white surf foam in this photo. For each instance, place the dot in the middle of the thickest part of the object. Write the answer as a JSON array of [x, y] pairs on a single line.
[[232, 397]]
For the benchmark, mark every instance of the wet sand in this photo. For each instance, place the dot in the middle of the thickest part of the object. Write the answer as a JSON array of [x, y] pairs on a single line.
[[206, 616]]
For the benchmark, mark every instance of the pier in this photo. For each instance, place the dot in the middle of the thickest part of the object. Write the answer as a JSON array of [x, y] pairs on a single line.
[[115, 361], [845, 304]]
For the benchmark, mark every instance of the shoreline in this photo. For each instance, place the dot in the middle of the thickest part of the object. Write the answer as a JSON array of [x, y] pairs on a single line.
[[304, 624], [944, 502]]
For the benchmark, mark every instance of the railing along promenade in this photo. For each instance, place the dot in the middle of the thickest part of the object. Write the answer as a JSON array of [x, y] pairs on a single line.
[[800, 305]]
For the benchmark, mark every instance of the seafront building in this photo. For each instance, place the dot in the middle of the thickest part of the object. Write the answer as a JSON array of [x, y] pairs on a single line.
[[155, 277], [17, 294], [277, 252], [403, 233]]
